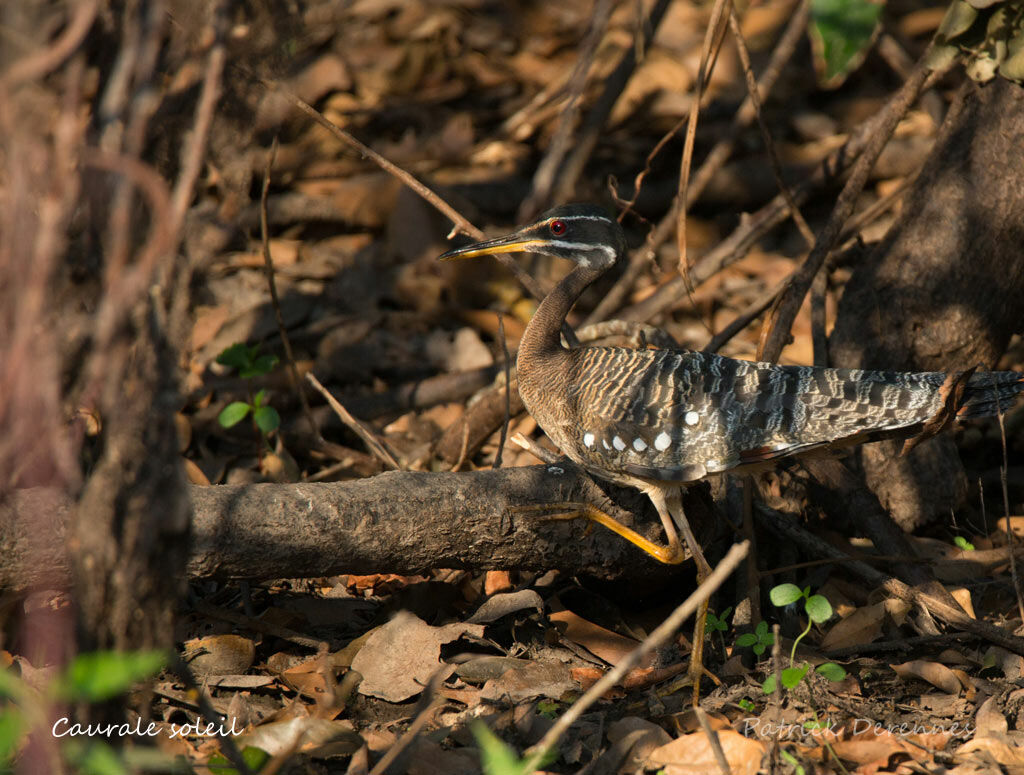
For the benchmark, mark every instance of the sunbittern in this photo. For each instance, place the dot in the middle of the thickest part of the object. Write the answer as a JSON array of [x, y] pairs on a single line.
[[660, 419]]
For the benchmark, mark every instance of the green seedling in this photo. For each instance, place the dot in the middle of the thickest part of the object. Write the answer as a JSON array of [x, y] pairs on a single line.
[[250, 364], [92, 677], [818, 611], [717, 623], [498, 758], [792, 761], [963, 544], [759, 640], [746, 704]]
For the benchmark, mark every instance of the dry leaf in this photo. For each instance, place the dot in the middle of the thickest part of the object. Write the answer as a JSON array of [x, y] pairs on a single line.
[[962, 595], [399, 658], [862, 626], [937, 675], [608, 645], [692, 754]]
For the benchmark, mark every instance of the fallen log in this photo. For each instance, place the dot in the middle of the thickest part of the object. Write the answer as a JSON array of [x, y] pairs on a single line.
[[396, 522]]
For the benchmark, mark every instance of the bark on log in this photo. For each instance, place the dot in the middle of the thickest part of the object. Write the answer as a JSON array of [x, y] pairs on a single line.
[[945, 289], [397, 522]]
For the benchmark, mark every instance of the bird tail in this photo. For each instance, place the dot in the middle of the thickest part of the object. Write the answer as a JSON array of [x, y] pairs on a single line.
[[990, 393]]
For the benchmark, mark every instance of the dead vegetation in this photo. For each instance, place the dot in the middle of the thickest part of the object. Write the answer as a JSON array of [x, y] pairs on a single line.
[[160, 161]]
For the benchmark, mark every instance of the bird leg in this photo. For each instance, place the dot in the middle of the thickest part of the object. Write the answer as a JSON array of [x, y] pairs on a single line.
[[669, 503], [670, 554]]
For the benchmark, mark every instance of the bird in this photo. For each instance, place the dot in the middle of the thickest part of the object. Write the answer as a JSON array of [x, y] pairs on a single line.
[[661, 419]]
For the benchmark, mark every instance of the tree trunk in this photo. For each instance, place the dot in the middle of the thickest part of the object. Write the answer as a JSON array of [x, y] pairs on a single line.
[[944, 290]]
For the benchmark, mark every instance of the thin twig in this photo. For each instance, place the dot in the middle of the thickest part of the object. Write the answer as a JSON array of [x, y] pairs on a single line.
[[428, 706], [546, 174], [194, 151], [206, 709], [784, 50], [769, 143], [661, 635], [741, 321], [716, 744], [777, 694], [1010, 537], [460, 224], [45, 60], [464, 449], [780, 320], [721, 151], [360, 429], [535, 449], [595, 120], [508, 392], [289, 356], [751, 228], [713, 38], [819, 339]]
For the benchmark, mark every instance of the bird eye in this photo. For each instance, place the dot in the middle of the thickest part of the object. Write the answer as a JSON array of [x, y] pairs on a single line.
[[557, 228]]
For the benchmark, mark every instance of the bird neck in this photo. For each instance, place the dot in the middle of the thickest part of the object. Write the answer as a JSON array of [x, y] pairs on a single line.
[[542, 340]]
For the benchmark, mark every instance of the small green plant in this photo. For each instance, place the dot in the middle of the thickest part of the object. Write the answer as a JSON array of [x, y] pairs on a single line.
[[818, 610], [746, 704], [963, 543], [498, 758], [548, 709], [717, 623], [792, 761], [759, 640], [91, 677], [250, 364]]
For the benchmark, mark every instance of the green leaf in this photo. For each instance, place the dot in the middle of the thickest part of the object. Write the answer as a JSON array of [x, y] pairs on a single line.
[[831, 671], [264, 364], [259, 398], [95, 758], [963, 543], [746, 639], [495, 755], [11, 686], [746, 704], [759, 648], [792, 761], [100, 675], [792, 676], [784, 594], [959, 18], [253, 757], [267, 419], [841, 35], [818, 608], [236, 356], [547, 708], [12, 727], [768, 687], [233, 413]]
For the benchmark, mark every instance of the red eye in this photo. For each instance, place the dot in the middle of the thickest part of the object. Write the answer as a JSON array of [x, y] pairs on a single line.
[[557, 228]]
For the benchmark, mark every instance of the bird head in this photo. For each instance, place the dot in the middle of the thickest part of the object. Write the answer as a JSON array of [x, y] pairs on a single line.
[[582, 233]]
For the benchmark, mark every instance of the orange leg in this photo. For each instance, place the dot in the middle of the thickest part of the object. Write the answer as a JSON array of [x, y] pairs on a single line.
[[671, 554]]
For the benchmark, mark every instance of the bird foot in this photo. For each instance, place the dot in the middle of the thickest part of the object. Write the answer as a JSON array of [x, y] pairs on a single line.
[[671, 554]]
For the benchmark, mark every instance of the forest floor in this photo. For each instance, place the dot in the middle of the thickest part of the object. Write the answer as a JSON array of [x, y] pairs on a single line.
[[335, 673]]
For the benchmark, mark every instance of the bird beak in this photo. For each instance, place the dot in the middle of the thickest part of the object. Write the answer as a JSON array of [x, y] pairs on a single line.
[[511, 243]]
